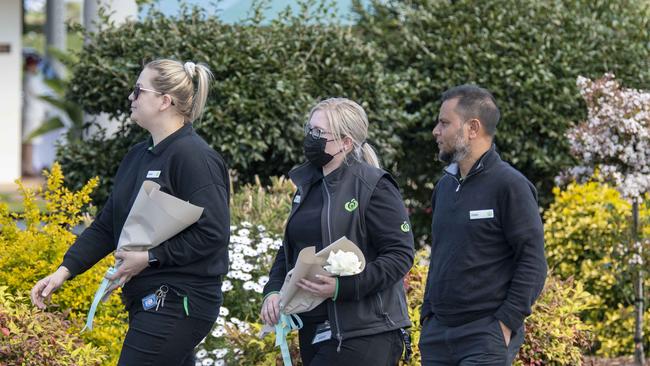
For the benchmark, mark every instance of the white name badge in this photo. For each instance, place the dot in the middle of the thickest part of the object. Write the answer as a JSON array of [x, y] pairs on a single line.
[[296, 199], [481, 214], [153, 174]]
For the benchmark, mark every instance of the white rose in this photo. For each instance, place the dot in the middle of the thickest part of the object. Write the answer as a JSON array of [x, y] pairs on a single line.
[[343, 263]]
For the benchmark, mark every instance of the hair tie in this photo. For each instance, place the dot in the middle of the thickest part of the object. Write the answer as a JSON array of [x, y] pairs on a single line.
[[190, 68]]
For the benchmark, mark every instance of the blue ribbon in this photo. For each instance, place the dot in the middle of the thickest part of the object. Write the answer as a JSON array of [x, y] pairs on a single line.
[[282, 329], [98, 296]]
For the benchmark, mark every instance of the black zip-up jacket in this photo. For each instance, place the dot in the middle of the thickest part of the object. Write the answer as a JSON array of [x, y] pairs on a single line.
[[487, 252], [373, 301], [193, 260]]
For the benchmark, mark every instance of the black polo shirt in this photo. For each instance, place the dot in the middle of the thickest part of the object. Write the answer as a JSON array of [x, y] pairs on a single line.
[[193, 261]]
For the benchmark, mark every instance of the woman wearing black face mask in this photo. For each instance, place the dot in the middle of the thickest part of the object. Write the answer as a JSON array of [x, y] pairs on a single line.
[[341, 191]]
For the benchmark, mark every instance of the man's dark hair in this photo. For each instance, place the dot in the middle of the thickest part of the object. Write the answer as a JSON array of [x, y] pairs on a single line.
[[475, 102]]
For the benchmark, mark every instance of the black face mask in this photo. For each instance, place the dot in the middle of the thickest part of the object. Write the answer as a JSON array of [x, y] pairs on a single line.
[[314, 150]]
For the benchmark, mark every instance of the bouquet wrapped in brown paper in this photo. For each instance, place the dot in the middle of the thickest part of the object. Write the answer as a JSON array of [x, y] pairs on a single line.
[[154, 217], [341, 258], [295, 300]]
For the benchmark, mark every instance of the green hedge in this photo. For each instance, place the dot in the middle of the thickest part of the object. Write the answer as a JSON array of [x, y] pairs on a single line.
[[527, 52], [268, 75], [396, 60]]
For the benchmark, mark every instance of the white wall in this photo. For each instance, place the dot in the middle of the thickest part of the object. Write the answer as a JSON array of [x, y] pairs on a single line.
[[10, 90]]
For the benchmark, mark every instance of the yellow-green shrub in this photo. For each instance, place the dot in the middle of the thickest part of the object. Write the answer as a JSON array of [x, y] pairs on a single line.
[[31, 254], [415, 283], [263, 205], [586, 232], [29, 336], [555, 334]]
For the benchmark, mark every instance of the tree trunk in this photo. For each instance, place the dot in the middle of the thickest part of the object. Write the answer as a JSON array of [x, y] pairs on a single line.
[[55, 32], [639, 356]]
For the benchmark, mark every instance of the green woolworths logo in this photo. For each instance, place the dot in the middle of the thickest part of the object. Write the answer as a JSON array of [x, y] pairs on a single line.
[[351, 205], [405, 227]]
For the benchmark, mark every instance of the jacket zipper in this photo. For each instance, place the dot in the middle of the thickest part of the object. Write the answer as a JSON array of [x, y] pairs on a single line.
[[329, 236], [463, 180], [389, 321]]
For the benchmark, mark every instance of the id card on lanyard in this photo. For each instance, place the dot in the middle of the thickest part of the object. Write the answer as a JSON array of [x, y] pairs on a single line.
[[323, 333]]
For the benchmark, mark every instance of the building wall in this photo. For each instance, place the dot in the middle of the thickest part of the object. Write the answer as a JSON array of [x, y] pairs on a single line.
[[10, 89], [121, 11]]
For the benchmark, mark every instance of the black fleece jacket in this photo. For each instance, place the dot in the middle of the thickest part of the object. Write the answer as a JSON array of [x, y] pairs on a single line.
[[487, 253], [362, 203], [193, 260]]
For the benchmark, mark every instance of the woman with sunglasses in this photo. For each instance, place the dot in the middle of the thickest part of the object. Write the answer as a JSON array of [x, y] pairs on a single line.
[[341, 191], [185, 271]]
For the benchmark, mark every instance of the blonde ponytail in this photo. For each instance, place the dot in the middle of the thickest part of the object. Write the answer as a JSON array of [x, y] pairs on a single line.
[[204, 77], [369, 155]]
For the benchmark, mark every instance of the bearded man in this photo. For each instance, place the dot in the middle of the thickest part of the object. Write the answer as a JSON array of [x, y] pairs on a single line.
[[487, 264]]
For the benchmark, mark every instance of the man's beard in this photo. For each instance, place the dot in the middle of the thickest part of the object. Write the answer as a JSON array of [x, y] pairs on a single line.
[[460, 150]]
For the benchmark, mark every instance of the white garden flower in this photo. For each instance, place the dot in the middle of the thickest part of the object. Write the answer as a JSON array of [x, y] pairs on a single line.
[[220, 352], [220, 363], [218, 331], [247, 267], [223, 311], [226, 286], [263, 280], [207, 362], [248, 285], [246, 224], [343, 263], [250, 252], [202, 353]]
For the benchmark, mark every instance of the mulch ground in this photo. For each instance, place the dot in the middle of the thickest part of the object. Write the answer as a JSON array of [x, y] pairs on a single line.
[[619, 361]]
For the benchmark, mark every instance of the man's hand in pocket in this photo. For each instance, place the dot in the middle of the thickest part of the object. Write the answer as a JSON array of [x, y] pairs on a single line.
[[506, 332]]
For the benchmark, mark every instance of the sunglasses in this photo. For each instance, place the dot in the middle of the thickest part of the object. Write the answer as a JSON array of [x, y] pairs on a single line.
[[138, 89]]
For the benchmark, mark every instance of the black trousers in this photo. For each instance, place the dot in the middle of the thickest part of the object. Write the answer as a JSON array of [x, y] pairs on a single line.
[[166, 337], [480, 342], [383, 349]]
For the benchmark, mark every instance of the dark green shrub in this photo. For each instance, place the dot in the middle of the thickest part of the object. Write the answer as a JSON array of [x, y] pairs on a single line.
[[396, 61], [267, 77], [527, 52]]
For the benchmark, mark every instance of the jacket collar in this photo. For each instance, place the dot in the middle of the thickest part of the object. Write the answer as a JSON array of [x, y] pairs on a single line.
[[187, 129], [487, 160], [307, 173]]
